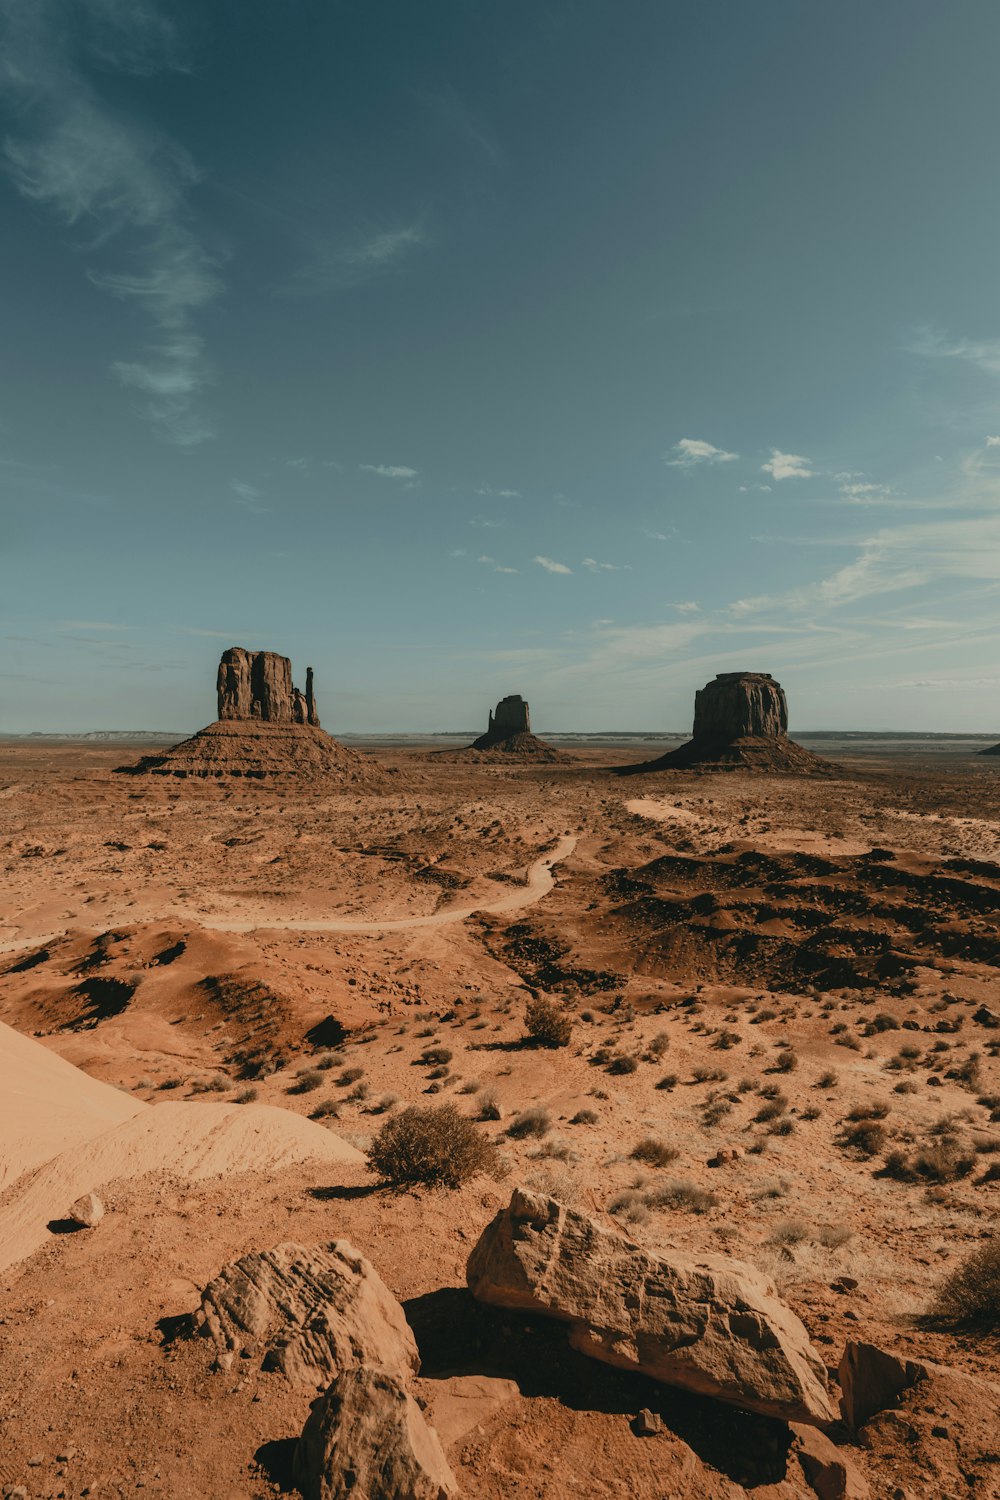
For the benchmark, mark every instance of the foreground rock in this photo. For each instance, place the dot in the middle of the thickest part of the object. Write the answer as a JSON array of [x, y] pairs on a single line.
[[366, 1438], [713, 1325], [258, 685], [310, 1313], [740, 720], [87, 1212], [831, 1473]]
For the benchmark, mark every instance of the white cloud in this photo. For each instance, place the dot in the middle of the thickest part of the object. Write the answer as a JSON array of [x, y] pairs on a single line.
[[458, 552], [594, 566], [501, 494], [550, 566], [660, 536], [692, 451], [248, 496], [484, 559], [686, 607], [993, 442], [498, 569], [861, 491], [931, 343], [788, 466], [390, 471], [122, 181], [340, 267]]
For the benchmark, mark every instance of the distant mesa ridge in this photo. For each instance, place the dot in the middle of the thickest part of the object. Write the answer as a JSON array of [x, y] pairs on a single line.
[[266, 727], [740, 720]]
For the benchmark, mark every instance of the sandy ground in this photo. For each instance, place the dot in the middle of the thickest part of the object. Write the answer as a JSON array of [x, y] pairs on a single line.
[[771, 955]]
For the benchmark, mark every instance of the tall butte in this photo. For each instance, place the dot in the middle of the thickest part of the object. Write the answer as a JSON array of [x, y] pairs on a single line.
[[740, 720], [266, 727], [509, 732]]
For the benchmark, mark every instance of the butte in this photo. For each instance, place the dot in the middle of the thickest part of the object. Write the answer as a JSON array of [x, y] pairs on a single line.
[[509, 733], [265, 728], [740, 723]]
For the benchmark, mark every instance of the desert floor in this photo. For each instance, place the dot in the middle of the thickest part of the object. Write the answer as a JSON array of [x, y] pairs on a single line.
[[750, 962]]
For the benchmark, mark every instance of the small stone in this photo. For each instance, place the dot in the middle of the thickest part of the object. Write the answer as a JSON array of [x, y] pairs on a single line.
[[647, 1423], [939, 1431], [87, 1211]]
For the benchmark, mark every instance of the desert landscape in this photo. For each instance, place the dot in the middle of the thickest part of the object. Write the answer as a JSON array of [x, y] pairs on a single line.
[[713, 1052]]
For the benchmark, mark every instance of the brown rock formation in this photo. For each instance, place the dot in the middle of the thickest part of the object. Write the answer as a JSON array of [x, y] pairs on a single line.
[[740, 720], [509, 732], [367, 1439], [308, 1312], [258, 685], [266, 727], [711, 1325]]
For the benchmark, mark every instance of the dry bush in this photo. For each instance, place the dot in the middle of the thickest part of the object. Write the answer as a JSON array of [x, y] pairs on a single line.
[[533, 1121], [547, 1024], [682, 1195], [245, 1096], [942, 1161], [350, 1075], [865, 1136], [436, 1055], [668, 1081], [658, 1044], [621, 1063], [786, 1061], [970, 1296], [771, 1110], [790, 1232], [306, 1081], [435, 1145], [325, 1109], [585, 1117], [489, 1109], [653, 1152]]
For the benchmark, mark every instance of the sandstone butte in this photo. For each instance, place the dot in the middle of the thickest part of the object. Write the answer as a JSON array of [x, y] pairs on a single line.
[[740, 720], [509, 732]]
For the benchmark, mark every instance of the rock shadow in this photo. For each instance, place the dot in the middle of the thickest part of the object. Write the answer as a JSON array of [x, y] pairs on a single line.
[[275, 1458], [456, 1335]]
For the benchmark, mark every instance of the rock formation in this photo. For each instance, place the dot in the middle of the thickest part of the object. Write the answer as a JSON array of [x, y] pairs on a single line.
[[711, 1325], [367, 1439], [309, 1313], [266, 727], [509, 733], [258, 685], [740, 720]]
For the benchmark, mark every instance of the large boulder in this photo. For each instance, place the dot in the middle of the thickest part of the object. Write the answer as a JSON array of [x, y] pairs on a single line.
[[366, 1439], [711, 1325], [735, 704], [308, 1312], [872, 1379]]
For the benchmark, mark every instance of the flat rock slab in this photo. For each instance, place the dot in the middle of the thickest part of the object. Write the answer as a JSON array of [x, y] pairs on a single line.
[[309, 1312], [713, 1325], [366, 1439]]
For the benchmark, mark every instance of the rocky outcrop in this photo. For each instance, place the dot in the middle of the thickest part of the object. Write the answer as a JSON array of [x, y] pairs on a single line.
[[512, 716], [740, 720], [309, 1313], [509, 733], [830, 1473], [366, 1439], [735, 704], [711, 1325], [87, 1212], [258, 685], [872, 1379]]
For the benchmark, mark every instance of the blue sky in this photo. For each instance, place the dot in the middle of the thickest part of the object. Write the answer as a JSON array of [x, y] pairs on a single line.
[[579, 349]]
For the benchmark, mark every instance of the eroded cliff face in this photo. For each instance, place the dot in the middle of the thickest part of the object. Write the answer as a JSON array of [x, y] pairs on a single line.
[[512, 716], [257, 685], [736, 704]]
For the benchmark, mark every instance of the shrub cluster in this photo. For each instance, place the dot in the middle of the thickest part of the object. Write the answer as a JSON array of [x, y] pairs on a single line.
[[547, 1023], [435, 1145]]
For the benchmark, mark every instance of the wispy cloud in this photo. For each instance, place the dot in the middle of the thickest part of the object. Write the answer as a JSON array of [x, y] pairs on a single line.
[[501, 494], [932, 343], [686, 607], [499, 569], [551, 566], [340, 267], [660, 536], [788, 466], [993, 442], [593, 566], [389, 471], [248, 496], [118, 180], [690, 452]]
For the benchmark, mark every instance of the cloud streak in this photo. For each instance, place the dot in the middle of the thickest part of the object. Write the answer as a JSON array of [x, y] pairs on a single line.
[[788, 466], [120, 183], [551, 566], [690, 452]]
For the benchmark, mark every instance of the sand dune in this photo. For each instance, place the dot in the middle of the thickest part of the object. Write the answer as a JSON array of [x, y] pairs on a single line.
[[46, 1105], [189, 1140]]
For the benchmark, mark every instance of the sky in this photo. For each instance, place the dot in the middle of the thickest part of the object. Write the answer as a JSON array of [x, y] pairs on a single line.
[[572, 348]]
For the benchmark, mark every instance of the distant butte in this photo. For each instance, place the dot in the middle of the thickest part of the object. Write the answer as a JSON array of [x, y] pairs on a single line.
[[266, 728], [509, 732], [740, 721]]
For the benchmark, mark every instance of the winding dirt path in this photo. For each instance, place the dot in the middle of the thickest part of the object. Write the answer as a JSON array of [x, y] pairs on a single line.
[[538, 884]]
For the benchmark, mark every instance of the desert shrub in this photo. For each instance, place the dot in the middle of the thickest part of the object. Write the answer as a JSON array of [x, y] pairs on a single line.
[[682, 1195], [326, 1062], [969, 1073], [533, 1121], [767, 1014], [653, 1152], [436, 1055], [350, 1075], [382, 1106], [770, 1091], [547, 1024], [865, 1136], [834, 1235], [245, 1096], [784, 1126], [622, 1063], [882, 1021], [874, 1111], [470, 1086], [812, 1113], [727, 1039], [630, 1205], [358, 1092], [435, 1145], [827, 1080], [747, 1085], [715, 1111], [658, 1044], [170, 1083], [941, 1161], [306, 1081], [771, 1110], [326, 1109], [789, 1232], [489, 1109], [970, 1296], [553, 1150], [786, 1061], [441, 1071], [585, 1117], [905, 1086], [668, 1081]]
